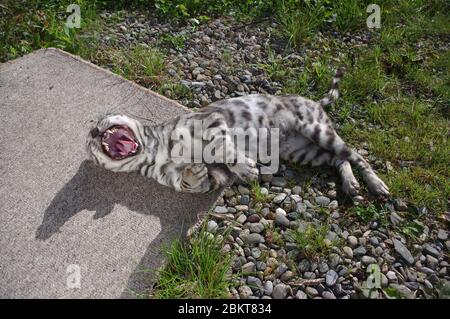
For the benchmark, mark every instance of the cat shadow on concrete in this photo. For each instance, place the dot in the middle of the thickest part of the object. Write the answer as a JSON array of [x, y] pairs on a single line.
[[93, 188]]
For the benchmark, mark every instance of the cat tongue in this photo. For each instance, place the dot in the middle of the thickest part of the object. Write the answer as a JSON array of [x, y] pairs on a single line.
[[125, 146], [119, 142]]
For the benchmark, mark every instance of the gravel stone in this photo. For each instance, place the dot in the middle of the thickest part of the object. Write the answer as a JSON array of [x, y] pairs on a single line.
[[395, 219], [255, 284], [334, 259], [281, 269], [256, 252], [253, 218], [430, 250], [245, 199], [304, 265], [243, 190], [261, 266], [403, 251], [328, 295], [278, 181], [268, 288], [245, 292], [279, 198], [367, 260], [280, 291], [287, 276], [301, 295], [311, 292], [442, 235], [253, 238], [241, 219], [297, 190], [220, 210], [432, 262], [212, 227], [353, 241], [281, 218], [348, 252], [322, 201], [391, 276], [249, 267], [359, 251], [400, 205], [323, 267], [331, 277], [256, 227]]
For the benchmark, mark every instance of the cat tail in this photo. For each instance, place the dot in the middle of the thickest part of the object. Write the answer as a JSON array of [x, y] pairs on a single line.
[[333, 93]]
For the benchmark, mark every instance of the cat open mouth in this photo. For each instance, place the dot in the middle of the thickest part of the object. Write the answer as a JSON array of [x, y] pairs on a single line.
[[119, 142]]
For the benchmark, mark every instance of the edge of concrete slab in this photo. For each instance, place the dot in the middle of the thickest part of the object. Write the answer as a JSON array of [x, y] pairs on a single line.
[[71, 211], [98, 68]]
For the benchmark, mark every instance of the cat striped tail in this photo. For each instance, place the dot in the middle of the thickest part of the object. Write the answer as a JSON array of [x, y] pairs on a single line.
[[333, 93]]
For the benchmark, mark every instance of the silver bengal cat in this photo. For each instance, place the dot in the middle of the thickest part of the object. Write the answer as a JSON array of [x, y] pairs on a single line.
[[306, 135]]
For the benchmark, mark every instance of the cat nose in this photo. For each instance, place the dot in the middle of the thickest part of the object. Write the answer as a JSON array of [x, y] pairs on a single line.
[[95, 132]]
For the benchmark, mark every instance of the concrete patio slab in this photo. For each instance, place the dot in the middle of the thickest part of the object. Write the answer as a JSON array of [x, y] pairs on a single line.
[[69, 229]]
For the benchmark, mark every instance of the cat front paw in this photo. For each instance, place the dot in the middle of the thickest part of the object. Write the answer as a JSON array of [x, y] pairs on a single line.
[[246, 171], [195, 179], [376, 186], [350, 187]]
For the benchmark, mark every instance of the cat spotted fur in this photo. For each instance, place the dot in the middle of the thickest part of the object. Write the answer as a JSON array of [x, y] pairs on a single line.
[[306, 136]]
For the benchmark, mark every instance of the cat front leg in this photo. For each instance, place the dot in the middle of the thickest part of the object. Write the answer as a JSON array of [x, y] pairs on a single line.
[[194, 179], [191, 178], [246, 171]]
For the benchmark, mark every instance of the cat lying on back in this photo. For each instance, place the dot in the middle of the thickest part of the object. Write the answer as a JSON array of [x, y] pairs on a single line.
[[306, 135]]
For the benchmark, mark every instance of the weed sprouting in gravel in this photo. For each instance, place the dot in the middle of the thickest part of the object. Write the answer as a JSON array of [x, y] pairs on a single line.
[[311, 241], [198, 269]]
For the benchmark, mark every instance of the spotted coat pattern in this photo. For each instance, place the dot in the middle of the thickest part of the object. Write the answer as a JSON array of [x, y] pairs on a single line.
[[306, 136]]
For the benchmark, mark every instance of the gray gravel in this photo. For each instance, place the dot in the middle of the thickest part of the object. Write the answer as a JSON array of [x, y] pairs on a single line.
[[219, 59], [275, 263]]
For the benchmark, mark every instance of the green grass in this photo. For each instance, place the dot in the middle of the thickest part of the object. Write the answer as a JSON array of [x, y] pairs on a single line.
[[29, 25], [400, 83], [400, 86], [392, 293], [141, 64], [395, 97], [195, 270], [175, 90], [313, 79], [173, 41], [202, 10], [257, 195], [412, 131], [422, 187], [444, 291], [227, 63], [311, 241], [301, 20], [412, 229], [274, 236], [274, 66], [365, 213]]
